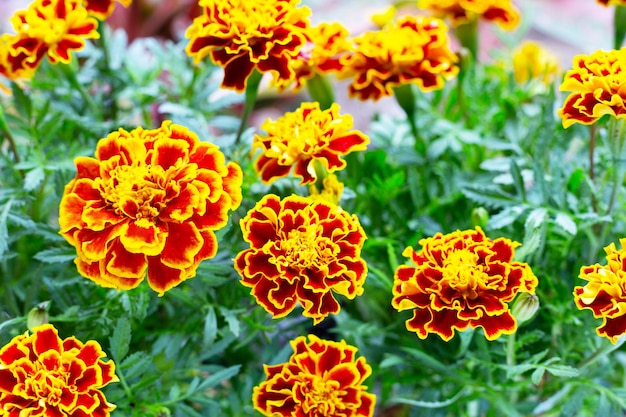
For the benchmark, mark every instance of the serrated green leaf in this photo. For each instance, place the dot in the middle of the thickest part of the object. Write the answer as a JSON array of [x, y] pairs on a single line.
[[120, 340], [56, 255], [566, 223], [563, 371], [135, 365], [4, 233], [232, 320], [33, 178]]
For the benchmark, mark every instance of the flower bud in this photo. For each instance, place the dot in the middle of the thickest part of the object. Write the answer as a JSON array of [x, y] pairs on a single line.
[[480, 217], [525, 307], [38, 315]]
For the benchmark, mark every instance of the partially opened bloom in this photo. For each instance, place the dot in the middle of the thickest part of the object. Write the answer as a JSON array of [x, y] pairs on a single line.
[[326, 44], [502, 12], [605, 292], [532, 61], [304, 137], [241, 35], [301, 252], [321, 379], [459, 280], [597, 86], [102, 9], [413, 50], [331, 191], [51, 28], [42, 375], [148, 203]]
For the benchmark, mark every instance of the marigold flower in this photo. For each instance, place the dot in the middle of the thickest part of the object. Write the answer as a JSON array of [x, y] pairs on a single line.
[[532, 61], [101, 9], [461, 279], [149, 201], [597, 87], [605, 292], [413, 50], [50, 27], [241, 35], [501, 12], [326, 44], [612, 2], [301, 252], [321, 378], [302, 138], [42, 375]]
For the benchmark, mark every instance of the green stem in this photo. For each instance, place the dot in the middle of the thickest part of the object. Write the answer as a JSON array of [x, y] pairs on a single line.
[[617, 136], [405, 96], [6, 132], [69, 71], [467, 34], [321, 91], [252, 90], [125, 386], [103, 30], [619, 26], [592, 172]]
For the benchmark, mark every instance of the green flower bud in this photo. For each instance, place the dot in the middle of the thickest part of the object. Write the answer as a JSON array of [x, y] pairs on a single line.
[[524, 307], [480, 217], [38, 315]]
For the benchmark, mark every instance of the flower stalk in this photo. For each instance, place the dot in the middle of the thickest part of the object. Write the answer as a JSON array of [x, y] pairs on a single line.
[[251, 93]]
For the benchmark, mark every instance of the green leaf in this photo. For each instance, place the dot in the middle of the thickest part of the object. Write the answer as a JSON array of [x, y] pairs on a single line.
[[56, 255], [4, 233], [120, 340], [430, 404], [210, 328], [231, 318], [218, 377], [566, 223], [33, 178]]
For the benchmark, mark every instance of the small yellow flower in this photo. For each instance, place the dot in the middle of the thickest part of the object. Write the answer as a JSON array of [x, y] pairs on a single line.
[[612, 2], [331, 193], [532, 61]]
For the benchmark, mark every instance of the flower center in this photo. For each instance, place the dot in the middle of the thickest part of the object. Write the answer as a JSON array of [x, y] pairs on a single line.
[[47, 386], [322, 398], [462, 273], [305, 248], [135, 191], [57, 30]]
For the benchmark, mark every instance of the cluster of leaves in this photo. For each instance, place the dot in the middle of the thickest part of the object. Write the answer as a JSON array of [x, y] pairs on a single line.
[[487, 151]]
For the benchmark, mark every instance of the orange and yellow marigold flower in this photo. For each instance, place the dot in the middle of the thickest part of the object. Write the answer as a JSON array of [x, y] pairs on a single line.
[[50, 27], [502, 12], [605, 292], [326, 44], [42, 375], [148, 203], [304, 137], [102, 9], [321, 378], [241, 35], [459, 280], [413, 50], [597, 86], [301, 252]]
